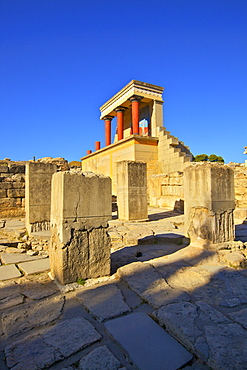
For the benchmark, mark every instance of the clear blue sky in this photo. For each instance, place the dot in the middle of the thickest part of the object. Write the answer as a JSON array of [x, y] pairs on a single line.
[[60, 60]]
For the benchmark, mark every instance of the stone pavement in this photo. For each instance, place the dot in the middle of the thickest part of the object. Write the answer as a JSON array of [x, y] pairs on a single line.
[[167, 305]]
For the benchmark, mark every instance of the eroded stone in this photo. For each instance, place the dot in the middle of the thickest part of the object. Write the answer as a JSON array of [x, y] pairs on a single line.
[[100, 358], [23, 318], [104, 302]]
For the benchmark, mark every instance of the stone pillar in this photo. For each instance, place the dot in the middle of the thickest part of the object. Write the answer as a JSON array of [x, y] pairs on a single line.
[[38, 195], [120, 122], [132, 190], [209, 202], [80, 210], [107, 120], [97, 145], [135, 113]]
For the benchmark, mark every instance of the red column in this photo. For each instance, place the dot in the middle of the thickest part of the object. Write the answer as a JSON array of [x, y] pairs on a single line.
[[107, 130], [120, 122], [89, 152], [135, 114], [97, 145]]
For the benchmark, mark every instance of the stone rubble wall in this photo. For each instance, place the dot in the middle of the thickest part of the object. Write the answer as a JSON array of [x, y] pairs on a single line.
[[240, 184], [12, 189], [12, 185], [166, 190]]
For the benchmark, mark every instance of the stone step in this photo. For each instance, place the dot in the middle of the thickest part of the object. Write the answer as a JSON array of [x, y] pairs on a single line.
[[148, 345]]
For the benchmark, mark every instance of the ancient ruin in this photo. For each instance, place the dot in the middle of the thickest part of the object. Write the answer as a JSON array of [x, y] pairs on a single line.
[[141, 136], [209, 203], [80, 211], [132, 190], [82, 282]]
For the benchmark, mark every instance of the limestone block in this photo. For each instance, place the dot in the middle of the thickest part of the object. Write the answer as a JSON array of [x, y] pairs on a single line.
[[4, 169], [38, 192], [132, 190], [209, 202], [3, 193], [80, 210], [16, 193], [16, 168]]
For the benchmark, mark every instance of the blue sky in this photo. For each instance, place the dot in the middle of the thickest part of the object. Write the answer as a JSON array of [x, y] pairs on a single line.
[[60, 60]]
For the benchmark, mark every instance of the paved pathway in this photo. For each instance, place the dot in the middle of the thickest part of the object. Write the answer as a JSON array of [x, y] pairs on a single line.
[[167, 305]]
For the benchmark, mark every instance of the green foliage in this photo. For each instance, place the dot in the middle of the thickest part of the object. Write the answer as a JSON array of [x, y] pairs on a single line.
[[210, 158], [213, 158], [221, 159], [201, 157], [81, 281]]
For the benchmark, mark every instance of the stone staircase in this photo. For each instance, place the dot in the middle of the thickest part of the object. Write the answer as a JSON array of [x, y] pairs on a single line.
[[173, 154]]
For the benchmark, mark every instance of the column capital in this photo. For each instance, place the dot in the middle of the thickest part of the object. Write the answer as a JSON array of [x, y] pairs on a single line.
[[120, 109], [107, 118], [135, 98]]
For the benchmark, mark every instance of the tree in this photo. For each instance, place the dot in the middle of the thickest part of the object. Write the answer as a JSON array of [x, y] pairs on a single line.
[[201, 157], [210, 158], [213, 158]]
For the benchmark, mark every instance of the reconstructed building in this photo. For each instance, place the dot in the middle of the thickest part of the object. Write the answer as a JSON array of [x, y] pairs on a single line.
[[140, 136]]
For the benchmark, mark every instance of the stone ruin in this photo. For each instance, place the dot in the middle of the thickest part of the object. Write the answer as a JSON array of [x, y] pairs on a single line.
[[209, 203], [80, 211]]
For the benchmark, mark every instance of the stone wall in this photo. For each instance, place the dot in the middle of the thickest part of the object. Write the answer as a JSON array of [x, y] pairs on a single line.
[[240, 184], [12, 189], [166, 190]]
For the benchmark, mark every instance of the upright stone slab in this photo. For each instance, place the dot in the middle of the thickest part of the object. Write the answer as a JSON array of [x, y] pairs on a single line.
[[209, 202], [132, 190], [80, 210], [38, 195]]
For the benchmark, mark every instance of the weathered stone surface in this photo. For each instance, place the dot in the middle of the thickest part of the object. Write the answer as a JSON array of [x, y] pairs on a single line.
[[228, 346], [34, 267], [14, 250], [23, 318], [8, 289], [132, 190], [37, 290], [189, 278], [163, 294], [140, 276], [100, 358], [148, 345], [209, 202], [18, 257], [240, 317], [80, 209], [9, 272], [207, 332], [40, 351], [11, 301], [38, 192], [104, 302], [234, 259]]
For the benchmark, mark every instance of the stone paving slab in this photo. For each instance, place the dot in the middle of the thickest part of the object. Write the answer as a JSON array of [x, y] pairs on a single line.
[[9, 272], [13, 224], [34, 267], [148, 345], [23, 318], [104, 302], [39, 351], [11, 301], [14, 258], [100, 358], [208, 333]]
